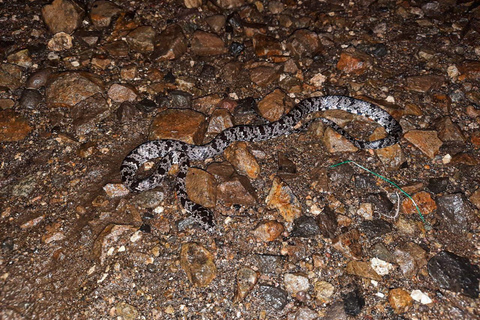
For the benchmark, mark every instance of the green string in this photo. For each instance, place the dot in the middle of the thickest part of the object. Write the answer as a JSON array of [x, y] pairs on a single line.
[[427, 225]]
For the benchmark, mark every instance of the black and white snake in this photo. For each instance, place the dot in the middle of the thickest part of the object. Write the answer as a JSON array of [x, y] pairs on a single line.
[[177, 152]]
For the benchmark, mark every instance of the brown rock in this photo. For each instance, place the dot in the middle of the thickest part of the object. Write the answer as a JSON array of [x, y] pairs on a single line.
[[179, 124], [400, 300], [38, 79], [10, 76], [216, 22], [207, 44], [352, 63], [281, 197], [141, 39], [220, 120], [246, 280], [241, 158], [470, 70], [60, 41], [362, 269], [113, 234], [475, 198], [62, 16], [266, 46], [117, 49], [268, 230], [13, 127], [68, 88], [230, 4], [170, 44], [102, 12], [201, 187], [122, 92], [424, 201], [198, 264], [392, 156], [424, 83], [303, 43], [272, 106], [237, 190], [464, 158], [349, 244], [264, 75], [411, 258], [20, 58], [192, 3], [448, 131], [335, 142], [425, 140]]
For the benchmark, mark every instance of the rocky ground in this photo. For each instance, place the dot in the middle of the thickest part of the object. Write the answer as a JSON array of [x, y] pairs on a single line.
[[83, 82]]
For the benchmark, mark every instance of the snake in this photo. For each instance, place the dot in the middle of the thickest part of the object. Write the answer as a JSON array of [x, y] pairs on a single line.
[[168, 152]]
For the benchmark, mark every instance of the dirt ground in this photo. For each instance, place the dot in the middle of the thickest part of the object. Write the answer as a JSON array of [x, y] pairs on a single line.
[[84, 82]]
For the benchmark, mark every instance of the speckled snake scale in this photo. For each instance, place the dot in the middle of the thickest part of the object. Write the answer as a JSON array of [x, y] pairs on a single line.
[[177, 152]]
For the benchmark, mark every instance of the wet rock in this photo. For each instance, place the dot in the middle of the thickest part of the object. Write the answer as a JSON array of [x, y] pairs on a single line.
[[399, 300], [30, 99], [266, 46], [424, 201], [60, 41], [268, 263], [201, 187], [438, 185], [281, 197], [411, 258], [272, 106], [448, 131], [264, 75], [424, 83], [425, 140], [207, 44], [349, 244], [295, 283], [102, 12], [170, 44], [13, 127], [323, 291], [327, 223], [69, 88], [241, 158], [392, 156], [122, 92], [353, 302], [475, 198], [220, 120], [303, 43], [179, 124], [335, 142], [62, 16], [362, 269], [10, 76], [275, 298], [20, 58], [112, 235], [268, 230], [305, 227], [198, 264], [246, 280], [455, 273], [375, 228], [454, 212], [141, 39], [38, 79], [237, 190], [126, 311], [353, 63]]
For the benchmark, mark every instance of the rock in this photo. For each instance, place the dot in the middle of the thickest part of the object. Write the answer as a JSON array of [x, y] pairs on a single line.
[[198, 264], [349, 244], [114, 190], [241, 158], [335, 142], [102, 12], [272, 106], [286, 165], [365, 210], [353, 302], [13, 127], [362, 269], [424, 201], [352, 63], [6, 104], [220, 120], [170, 44], [411, 258], [192, 3], [264, 75], [392, 156], [475, 198], [275, 298], [268, 230], [122, 92], [304, 43], [60, 41], [246, 280], [424, 83], [141, 39], [305, 313], [305, 227], [216, 22], [268, 263], [454, 212], [295, 283], [201, 187], [38, 79], [470, 70], [399, 300], [30, 99], [62, 16], [324, 291], [87, 113], [207, 44], [180, 124], [10, 76], [112, 235], [69, 88], [438, 185], [380, 201], [327, 222], [125, 311], [89, 38], [375, 228], [420, 296], [381, 267], [237, 190], [20, 58], [448, 131], [336, 312], [117, 49], [380, 251], [230, 4], [425, 140], [266, 46], [281, 197], [149, 199]]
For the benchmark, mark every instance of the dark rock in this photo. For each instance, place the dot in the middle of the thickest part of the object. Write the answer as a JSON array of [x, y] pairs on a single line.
[[30, 99], [274, 297], [454, 273], [169, 77], [180, 99], [375, 228], [127, 112], [380, 251], [146, 105], [170, 44], [286, 165], [269, 263], [341, 175], [366, 182], [382, 204], [38, 79], [236, 48], [438, 185], [454, 212], [305, 227], [353, 302], [327, 222]]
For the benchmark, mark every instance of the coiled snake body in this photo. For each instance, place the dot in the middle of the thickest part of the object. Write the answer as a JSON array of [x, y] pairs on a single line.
[[178, 152]]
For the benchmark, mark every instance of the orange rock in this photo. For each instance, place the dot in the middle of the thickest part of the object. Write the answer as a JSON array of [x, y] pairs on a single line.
[[424, 201], [13, 127]]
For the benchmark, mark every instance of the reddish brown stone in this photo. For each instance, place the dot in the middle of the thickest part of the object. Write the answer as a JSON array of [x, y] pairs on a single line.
[[13, 127], [424, 201], [207, 44], [179, 124], [352, 63]]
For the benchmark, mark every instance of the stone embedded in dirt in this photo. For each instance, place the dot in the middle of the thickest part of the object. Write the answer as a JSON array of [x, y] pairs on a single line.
[[423, 200], [20, 58], [126, 311], [425, 140], [438, 185], [268, 230], [353, 302], [470, 70], [216, 22], [455, 273], [348, 244], [454, 212], [424, 83], [32, 223], [30, 99], [305, 227], [10, 76], [221, 170], [198, 264], [62, 16], [102, 12], [281, 197], [6, 104], [353, 63], [327, 222], [180, 99], [170, 44], [448, 131], [323, 291], [362, 269], [246, 280], [268, 263], [264, 75], [411, 258], [180, 124], [286, 165], [89, 38], [117, 49], [201, 187], [266, 46], [242, 159], [464, 158], [381, 267], [335, 142], [274, 297], [115, 190], [304, 43], [305, 313], [230, 4], [475, 198], [375, 228], [69, 88], [192, 3], [391, 156], [112, 235], [272, 106], [237, 190], [141, 39], [60, 41], [13, 127], [296, 282], [53, 233], [399, 300], [207, 44], [87, 113], [220, 120], [38, 79], [122, 92]]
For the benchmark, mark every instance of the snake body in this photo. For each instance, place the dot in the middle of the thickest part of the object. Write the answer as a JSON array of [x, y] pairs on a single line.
[[177, 152]]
